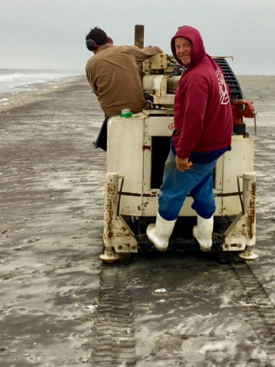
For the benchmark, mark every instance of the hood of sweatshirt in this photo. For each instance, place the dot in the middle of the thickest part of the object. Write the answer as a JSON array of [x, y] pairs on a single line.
[[198, 50]]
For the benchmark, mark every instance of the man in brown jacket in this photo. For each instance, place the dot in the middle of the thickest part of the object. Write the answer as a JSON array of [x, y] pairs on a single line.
[[113, 75]]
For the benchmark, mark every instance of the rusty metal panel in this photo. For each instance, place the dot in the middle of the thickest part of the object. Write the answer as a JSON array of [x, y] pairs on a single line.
[[125, 157], [156, 62], [231, 165]]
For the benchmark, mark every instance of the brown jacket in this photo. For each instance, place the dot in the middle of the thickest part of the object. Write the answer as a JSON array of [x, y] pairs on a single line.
[[113, 75]]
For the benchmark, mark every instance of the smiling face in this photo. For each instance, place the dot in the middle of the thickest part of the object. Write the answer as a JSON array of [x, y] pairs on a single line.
[[183, 50]]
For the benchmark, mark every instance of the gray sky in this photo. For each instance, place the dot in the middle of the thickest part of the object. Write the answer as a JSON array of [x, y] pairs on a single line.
[[51, 34]]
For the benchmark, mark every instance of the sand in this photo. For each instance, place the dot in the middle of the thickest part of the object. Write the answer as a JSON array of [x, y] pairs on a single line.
[[52, 193]]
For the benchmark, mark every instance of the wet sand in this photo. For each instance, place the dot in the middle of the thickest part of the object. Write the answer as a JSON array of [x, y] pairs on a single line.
[[52, 193], [51, 225]]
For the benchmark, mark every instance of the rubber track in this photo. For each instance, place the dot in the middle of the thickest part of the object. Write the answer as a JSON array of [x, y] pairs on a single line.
[[114, 343], [255, 304], [230, 78]]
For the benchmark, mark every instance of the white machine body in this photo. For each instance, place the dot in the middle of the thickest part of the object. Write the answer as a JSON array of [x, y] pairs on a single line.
[[137, 149]]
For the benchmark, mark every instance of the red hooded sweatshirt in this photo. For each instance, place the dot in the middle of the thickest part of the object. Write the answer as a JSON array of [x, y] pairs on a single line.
[[203, 113]]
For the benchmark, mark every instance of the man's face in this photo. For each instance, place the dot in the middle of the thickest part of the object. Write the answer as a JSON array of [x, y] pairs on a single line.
[[183, 49]]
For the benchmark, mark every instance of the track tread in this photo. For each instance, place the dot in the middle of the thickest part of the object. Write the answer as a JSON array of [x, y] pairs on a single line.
[[255, 303], [114, 342]]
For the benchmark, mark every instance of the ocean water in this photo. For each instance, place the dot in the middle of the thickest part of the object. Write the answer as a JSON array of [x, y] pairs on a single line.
[[27, 80], [21, 86]]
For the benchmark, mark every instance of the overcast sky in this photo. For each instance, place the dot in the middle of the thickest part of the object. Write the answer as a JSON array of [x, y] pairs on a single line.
[[51, 33]]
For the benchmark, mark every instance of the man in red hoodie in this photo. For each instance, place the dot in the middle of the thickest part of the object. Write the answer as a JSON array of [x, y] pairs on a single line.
[[203, 129]]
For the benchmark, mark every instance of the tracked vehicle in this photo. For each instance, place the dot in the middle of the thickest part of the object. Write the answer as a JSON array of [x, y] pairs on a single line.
[[138, 146]]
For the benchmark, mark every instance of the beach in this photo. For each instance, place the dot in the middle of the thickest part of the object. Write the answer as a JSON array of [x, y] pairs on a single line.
[[21, 87], [51, 222]]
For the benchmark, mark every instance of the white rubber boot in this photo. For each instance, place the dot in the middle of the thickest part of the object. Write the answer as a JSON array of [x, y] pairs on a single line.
[[203, 233], [160, 232]]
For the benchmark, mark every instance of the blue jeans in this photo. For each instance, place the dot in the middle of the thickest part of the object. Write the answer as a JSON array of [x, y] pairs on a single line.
[[198, 181]]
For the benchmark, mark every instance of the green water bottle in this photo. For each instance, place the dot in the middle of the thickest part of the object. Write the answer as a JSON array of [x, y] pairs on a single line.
[[126, 113]]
